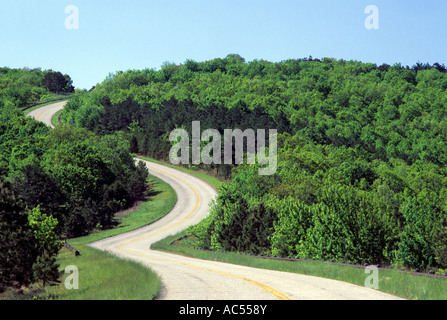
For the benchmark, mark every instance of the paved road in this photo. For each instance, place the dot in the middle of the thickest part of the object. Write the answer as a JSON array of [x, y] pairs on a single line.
[[187, 278], [45, 113]]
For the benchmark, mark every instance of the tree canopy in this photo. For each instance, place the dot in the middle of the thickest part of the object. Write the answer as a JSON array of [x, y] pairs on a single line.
[[361, 171]]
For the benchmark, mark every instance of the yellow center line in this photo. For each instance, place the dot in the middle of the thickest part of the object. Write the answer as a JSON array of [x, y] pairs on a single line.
[[272, 291], [45, 111], [267, 288], [176, 224]]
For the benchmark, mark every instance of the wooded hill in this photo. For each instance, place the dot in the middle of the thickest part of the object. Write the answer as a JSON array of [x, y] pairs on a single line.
[[362, 152]]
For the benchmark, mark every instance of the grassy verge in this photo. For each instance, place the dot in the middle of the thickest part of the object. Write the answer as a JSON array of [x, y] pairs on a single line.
[[55, 118], [402, 284], [103, 276]]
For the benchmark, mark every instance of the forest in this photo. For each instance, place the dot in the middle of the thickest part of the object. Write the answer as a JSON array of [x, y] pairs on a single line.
[[361, 172], [54, 184]]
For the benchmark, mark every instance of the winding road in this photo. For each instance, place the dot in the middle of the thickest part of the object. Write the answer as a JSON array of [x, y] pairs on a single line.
[[46, 113], [185, 278]]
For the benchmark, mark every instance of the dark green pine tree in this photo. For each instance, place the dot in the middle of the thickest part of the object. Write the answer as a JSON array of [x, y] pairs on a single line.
[[18, 250], [45, 268]]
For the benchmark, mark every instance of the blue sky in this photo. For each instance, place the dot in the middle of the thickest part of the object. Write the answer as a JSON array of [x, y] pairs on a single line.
[[136, 34]]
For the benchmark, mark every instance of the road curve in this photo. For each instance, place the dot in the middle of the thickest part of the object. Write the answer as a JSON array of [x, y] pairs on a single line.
[[45, 113], [185, 278]]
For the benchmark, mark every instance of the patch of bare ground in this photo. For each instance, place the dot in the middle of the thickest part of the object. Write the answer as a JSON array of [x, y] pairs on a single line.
[[121, 214]]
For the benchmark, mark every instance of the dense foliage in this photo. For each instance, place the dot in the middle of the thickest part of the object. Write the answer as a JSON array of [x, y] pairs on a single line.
[[55, 184], [361, 171], [81, 179], [57, 82], [17, 245], [23, 87]]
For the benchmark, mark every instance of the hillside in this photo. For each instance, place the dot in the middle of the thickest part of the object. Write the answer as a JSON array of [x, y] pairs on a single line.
[[54, 184], [361, 157]]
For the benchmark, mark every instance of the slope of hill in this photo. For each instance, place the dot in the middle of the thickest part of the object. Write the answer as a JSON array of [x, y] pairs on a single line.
[[361, 160]]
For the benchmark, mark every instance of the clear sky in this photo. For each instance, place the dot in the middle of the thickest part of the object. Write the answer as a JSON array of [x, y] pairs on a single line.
[[116, 35]]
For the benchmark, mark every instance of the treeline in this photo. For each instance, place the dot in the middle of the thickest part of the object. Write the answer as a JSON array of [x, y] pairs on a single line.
[[23, 87], [361, 172], [56, 184]]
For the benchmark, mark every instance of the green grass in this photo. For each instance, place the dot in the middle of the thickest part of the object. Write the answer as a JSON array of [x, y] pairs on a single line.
[[150, 211], [55, 118], [402, 284], [103, 276]]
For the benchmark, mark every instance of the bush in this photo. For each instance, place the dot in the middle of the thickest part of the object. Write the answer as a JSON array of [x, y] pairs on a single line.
[[415, 248]]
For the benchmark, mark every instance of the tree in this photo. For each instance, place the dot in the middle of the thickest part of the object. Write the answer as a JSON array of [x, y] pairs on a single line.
[[43, 227], [440, 238], [37, 189], [18, 250], [294, 219], [57, 82], [415, 246]]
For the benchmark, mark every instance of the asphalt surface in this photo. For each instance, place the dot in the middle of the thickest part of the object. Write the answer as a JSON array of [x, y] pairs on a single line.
[[45, 113], [185, 278]]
